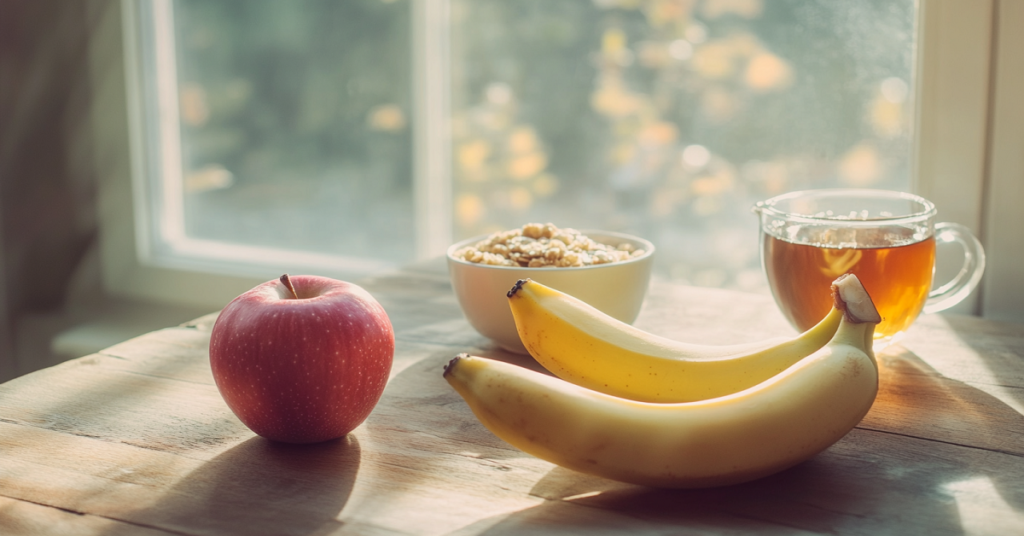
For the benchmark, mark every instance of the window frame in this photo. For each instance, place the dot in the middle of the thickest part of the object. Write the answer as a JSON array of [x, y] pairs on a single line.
[[162, 241], [156, 120], [965, 153], [1002, 225]]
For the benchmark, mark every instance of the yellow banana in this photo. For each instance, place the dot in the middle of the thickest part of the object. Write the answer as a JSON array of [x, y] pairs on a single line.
[[579, 343], [735, 438]]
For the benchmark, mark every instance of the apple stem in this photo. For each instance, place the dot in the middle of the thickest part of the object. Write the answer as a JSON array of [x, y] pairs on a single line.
[[287, 281]]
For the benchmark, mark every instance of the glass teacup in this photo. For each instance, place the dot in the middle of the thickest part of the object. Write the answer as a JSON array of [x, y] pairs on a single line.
[[888, 239]]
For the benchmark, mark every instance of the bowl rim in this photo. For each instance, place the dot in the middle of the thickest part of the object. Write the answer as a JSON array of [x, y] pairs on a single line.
[[647, 246]]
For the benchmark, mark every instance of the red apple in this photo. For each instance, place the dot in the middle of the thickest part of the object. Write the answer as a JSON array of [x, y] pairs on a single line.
[[302, 359]]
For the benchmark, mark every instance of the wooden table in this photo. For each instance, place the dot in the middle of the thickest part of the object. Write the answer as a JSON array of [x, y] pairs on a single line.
[[137, 440]]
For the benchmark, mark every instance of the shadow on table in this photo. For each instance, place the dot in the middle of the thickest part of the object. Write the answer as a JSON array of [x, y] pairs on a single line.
[[934, 456], [418, 400], [1001, 350], [262, 487]]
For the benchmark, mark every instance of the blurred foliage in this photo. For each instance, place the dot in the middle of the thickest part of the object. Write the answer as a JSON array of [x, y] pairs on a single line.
[[663, 118], [670, 118], [295, 123]]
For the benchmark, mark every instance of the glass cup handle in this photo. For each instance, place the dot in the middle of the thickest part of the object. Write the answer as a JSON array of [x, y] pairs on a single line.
[[960, 287]]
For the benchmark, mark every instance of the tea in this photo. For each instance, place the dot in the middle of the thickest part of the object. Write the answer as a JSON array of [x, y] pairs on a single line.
[[894, 264]]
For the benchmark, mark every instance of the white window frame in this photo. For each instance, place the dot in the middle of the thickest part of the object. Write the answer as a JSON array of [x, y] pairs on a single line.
[[1003, 217], [969, 143], [167, 244]]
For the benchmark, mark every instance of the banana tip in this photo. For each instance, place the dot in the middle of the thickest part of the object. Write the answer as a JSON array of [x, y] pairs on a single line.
[[515, 288], [451, 364]]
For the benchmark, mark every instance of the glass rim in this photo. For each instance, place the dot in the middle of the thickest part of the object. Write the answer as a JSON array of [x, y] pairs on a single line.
[[768, 206]]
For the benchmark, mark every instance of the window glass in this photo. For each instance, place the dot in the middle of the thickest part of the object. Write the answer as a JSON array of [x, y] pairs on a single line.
[[663, 118], [671, 118], [295, 124]]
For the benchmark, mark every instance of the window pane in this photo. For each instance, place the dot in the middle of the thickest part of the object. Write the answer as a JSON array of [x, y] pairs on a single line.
[[295, 124], [671, 118]]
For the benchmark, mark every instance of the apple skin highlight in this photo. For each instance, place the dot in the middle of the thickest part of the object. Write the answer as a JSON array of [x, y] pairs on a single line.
[[303, 367]]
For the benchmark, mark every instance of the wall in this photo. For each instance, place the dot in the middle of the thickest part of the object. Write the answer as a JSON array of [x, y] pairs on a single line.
[[47, 187]]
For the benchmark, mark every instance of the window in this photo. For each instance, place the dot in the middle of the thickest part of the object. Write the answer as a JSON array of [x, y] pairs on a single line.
[[278, 132], [670, 119], [350, 137]]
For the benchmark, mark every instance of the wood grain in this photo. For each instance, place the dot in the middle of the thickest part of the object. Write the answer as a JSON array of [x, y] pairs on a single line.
[[137, 440]]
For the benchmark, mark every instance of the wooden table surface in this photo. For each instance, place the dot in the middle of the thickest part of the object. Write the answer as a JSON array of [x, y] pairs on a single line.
[[137, 440]]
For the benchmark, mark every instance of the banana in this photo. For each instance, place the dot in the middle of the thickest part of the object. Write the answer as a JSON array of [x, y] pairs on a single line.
[[580, 344], [727, 440]]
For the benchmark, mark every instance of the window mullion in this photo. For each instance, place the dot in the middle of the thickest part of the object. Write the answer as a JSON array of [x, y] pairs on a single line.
[[432, 177], [171, 197]]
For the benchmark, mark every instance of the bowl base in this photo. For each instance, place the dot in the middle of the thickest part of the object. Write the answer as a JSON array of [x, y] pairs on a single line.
[[515, 349]]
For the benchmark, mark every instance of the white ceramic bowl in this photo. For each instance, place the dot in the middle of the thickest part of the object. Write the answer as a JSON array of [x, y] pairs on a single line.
[[617, 288]]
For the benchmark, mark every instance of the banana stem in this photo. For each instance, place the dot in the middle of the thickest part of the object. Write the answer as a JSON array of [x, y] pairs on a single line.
[[857, 334], [850, 296], [860, 316]]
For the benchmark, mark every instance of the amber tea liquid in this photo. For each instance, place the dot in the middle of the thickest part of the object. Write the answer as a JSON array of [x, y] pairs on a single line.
[[894, 266]]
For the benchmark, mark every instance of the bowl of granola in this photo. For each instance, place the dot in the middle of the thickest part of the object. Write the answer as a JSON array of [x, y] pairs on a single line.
[[608, 270]]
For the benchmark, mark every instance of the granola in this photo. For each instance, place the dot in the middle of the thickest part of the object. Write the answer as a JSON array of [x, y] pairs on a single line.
[[539, 245]]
